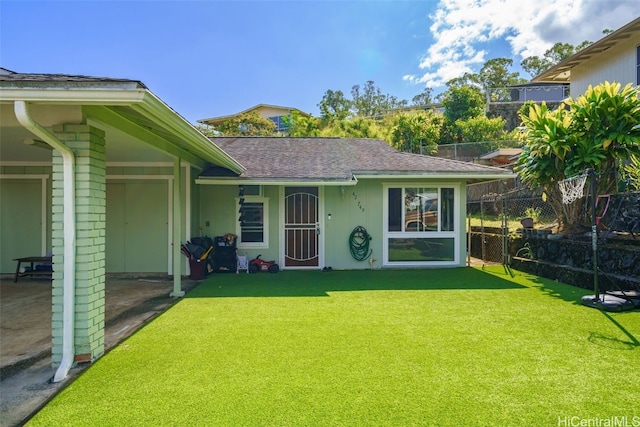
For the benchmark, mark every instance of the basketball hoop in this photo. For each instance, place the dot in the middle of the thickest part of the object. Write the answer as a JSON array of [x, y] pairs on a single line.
[[572, 188]]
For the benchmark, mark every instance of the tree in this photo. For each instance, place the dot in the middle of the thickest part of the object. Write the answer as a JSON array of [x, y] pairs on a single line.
[[494, 77], [371, 102], [467, 79], [481, 129], [631, 174], [334, 106], [462, 102], [416, 132], [357, 127], [301, 126], [598, 130], [248, 124], [423, 98], [368, 101], [535, 65]]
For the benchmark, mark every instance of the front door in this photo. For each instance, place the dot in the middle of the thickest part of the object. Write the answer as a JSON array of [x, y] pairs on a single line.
[[301, 227]]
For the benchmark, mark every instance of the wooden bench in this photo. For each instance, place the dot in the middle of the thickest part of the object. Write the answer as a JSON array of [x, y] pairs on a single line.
[[33, 271]]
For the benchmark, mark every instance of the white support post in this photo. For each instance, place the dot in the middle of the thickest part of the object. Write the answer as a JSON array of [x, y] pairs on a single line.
[[177, 226]]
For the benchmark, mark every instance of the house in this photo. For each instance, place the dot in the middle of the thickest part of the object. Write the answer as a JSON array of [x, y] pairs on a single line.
[[98, 172], [109, 179], [538, 92], [275, 113], [615, 57], [305, 196], [502, 157]]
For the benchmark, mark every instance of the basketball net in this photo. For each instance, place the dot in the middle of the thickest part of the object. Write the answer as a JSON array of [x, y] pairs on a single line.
[[572, 188]]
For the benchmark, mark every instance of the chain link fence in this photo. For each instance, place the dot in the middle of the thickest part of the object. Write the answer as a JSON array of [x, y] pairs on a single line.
[[500, 210], [493, 216]]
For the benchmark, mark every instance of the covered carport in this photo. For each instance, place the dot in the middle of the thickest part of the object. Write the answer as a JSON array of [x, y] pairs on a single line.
[[83, 161]]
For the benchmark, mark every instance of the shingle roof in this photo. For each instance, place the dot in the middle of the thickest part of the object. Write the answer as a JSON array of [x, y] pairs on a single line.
[[336, 159], [13, 77]]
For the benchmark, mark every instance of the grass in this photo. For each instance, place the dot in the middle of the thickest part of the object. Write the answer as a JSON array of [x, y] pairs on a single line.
[[514, 224], [386, 348]]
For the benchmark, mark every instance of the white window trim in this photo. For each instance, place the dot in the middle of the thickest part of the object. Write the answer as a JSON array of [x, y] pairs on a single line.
[[455, 234], [265, 232]]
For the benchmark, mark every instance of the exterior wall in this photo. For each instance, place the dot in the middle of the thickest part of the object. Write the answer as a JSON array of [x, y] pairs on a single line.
[[219, 208], [139, 217], [271, 112], [348, 206], [616, 64], [359, 205], [25, 190]]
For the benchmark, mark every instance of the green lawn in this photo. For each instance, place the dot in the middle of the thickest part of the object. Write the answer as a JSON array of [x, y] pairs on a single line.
[[449, 347]]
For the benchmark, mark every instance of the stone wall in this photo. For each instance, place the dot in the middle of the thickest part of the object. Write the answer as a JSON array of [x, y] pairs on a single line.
[[565, 260]]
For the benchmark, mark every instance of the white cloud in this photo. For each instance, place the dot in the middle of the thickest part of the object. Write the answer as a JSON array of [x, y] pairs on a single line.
[[464, 31]]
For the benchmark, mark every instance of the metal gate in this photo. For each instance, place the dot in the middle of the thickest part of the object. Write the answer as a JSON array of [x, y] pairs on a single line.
[[301, 227]]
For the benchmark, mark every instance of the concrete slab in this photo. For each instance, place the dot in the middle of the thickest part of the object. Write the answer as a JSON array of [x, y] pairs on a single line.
[[25, 334]]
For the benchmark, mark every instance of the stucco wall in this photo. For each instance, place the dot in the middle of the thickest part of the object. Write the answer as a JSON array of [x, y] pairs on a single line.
[[348, 206]]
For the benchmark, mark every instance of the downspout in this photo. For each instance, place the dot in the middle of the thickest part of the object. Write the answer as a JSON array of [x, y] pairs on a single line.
[[69, 237]]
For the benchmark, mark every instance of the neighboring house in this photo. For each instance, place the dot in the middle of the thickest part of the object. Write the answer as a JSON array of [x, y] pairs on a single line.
[[615, 57], [303, 197], [102, 173], [502, 157], [274, 113], [512, 98], [538, 92]]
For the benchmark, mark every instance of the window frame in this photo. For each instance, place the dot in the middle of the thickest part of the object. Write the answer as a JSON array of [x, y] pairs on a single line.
[[454, 234], [264, 244]]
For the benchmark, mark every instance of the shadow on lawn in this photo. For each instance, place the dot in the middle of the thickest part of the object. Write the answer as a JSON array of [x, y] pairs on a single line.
[[563, 291], [319, 283], [613, 342]]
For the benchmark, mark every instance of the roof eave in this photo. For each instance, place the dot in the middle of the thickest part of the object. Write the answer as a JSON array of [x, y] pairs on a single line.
[[561, 72], [439, 175], [320, 182], [137, 98], [157, 110], [76, 96]]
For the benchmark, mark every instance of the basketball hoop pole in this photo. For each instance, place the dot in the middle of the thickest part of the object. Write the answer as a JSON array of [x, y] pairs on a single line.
[[594, 231]]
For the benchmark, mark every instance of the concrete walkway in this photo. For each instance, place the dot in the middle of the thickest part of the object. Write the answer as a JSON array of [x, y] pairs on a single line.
[[25, 334]]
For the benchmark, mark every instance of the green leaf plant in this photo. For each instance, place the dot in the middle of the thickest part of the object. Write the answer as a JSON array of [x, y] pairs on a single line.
[[598, 130]]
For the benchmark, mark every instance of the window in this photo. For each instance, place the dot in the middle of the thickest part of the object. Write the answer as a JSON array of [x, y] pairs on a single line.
[[418, 209], [638, 65], [421, 225], [282, 122], [252, 223]]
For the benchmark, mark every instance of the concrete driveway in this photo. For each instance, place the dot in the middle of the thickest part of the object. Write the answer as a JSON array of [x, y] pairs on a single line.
[[25, 334]]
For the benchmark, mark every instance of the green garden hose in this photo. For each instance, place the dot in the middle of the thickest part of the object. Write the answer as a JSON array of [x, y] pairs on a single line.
[[359, 243]]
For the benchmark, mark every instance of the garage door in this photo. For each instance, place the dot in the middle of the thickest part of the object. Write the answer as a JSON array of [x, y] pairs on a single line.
[[137, 237], [21, 219]]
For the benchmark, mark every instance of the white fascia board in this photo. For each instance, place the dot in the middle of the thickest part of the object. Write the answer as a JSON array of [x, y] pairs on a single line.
[[73, 96], [157, 110], [292, 183], [141, 100], [452, 175]]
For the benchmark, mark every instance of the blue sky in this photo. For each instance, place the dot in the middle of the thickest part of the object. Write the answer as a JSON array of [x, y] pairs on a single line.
[[213, 58]]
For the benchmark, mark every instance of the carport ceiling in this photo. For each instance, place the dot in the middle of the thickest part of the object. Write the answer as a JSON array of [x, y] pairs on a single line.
[[120, 146]]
